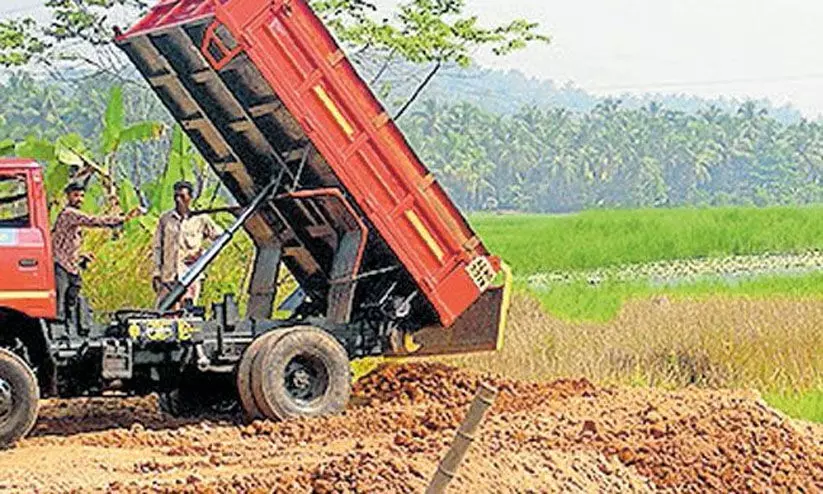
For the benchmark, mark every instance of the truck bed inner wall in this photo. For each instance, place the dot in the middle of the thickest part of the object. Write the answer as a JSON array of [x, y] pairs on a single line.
[[256, 84]]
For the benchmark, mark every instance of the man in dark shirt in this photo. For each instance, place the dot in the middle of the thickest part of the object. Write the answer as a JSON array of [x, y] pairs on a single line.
[[67, 238]]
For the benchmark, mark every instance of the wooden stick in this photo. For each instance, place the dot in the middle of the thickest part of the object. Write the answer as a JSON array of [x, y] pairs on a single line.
[[464, 438]]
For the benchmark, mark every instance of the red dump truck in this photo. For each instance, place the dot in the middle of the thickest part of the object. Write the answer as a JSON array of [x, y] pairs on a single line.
[[330, 189]]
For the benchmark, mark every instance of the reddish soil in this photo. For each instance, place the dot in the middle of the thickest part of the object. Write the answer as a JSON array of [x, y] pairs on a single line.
[[565, 436]]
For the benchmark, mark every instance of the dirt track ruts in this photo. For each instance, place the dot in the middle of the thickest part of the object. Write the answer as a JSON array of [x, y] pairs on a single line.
[[564, 436]]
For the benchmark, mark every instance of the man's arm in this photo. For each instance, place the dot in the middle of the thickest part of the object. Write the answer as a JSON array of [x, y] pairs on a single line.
[[80, 218]]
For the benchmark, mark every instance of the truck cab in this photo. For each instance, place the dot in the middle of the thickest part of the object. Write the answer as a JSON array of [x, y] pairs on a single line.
[[27, 284], [27, 296]]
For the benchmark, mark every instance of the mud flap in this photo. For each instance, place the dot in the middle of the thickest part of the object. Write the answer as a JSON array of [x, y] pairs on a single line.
[[480, 329]]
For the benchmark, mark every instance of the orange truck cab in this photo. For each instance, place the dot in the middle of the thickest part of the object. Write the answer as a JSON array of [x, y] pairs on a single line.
[[27, 281]]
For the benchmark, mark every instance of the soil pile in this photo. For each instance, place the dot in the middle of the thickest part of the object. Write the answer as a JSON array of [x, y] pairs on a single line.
[[564, 436]]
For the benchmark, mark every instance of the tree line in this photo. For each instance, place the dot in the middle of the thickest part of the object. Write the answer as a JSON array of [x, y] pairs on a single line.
[[553, 160], [538, 159]]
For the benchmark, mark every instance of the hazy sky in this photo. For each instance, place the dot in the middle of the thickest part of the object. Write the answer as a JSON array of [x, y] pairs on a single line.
[[741, 48]]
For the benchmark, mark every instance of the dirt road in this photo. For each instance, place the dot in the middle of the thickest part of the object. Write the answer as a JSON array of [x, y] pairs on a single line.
[[564, 436]]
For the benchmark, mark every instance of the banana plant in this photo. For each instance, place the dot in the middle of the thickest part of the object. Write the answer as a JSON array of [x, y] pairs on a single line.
[[7, 147], [70, 157]]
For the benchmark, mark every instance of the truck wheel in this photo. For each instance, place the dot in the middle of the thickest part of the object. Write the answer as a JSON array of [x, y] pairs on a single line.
[[19, 397], [303, 373], [244, 370]]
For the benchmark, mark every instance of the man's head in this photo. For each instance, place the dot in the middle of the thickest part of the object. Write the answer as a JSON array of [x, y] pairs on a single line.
[[75, 193], [183, 192]]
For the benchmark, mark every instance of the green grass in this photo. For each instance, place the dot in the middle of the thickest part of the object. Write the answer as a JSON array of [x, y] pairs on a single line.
[[598, 239], [806, 406], [594, 239]]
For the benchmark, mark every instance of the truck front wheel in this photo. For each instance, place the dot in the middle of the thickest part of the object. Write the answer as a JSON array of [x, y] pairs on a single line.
[[303, 373], [19, 395]]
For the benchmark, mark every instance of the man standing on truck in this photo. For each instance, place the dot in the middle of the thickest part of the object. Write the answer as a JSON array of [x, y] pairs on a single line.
[[178, 243], [67, 238]]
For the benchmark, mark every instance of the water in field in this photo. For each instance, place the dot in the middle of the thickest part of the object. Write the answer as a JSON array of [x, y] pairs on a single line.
[[729, 271]]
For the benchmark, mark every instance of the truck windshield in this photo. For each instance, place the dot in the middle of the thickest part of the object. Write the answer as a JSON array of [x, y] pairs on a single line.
[[14, 205]]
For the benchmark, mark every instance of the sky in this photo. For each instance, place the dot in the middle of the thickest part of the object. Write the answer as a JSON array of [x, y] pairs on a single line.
[[737, 48]]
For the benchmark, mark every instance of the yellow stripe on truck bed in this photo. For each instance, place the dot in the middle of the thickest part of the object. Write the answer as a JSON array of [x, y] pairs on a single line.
[[334, 110], [25, 295], [425, 234]]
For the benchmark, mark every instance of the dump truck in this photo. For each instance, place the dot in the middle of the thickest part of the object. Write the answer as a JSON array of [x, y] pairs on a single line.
[[327, 187]]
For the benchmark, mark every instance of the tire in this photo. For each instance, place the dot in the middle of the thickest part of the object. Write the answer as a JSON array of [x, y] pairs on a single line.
[[244, 387], [303, 373], [19, 398]]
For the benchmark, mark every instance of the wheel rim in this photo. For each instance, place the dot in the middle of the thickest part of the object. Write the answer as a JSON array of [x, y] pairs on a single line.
[[306, 379], [6, 400]]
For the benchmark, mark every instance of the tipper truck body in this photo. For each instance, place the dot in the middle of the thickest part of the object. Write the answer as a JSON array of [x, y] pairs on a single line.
[[386, 264]]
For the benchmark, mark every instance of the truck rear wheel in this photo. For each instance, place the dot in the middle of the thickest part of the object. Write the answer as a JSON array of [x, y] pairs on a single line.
[[304, 372], [19, 397], [244, 369]]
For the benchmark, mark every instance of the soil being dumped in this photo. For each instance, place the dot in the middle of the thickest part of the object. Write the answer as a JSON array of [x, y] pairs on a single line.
[[564, 436]]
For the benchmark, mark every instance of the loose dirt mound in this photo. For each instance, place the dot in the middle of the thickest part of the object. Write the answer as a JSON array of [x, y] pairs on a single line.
[[564, 436], [436, 384]]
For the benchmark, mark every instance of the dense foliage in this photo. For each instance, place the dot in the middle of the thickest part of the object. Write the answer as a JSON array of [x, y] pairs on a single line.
[[537, 159], [556, 160]]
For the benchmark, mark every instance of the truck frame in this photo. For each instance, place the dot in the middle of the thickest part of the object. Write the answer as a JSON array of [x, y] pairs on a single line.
[[329, 188]]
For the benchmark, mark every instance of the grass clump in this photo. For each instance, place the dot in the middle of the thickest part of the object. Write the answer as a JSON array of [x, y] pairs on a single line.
[[806, 406]]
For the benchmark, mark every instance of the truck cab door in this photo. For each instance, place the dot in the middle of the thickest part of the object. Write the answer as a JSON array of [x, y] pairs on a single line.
[[26, 269]]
